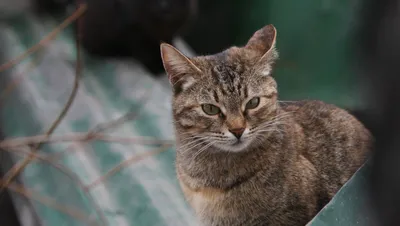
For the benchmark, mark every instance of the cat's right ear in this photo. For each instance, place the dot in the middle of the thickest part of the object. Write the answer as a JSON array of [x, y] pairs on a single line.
[[263, 43], [181, 70]]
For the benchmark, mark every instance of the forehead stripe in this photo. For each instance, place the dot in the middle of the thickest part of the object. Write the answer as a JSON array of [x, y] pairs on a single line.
[[215, 96], [246, 92]]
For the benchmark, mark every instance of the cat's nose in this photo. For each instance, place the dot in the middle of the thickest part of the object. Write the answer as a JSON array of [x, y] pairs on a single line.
[[238, 132]]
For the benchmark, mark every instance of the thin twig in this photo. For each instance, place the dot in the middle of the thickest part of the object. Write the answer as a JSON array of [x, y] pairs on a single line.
[[80, 137], [71, 211], [126, 163], [17, 168], [129, 116], [67, 172], [52, 35], [22, 152]]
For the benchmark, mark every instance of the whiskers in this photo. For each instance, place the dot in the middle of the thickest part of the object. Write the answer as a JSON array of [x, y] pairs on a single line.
[[192, 142], [261, 131], [204, 148], [198, 144], [288, 101]]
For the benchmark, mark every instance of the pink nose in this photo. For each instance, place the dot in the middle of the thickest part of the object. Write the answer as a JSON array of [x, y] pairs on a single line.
[[237, 132]]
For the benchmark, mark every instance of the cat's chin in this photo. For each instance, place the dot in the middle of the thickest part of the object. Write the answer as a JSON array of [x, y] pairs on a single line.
[[235, 147]]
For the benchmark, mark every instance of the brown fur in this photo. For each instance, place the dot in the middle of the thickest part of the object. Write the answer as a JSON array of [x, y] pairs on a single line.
[[293, 157]]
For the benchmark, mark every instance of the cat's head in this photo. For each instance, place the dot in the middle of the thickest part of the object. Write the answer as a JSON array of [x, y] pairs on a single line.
[[225, 100]]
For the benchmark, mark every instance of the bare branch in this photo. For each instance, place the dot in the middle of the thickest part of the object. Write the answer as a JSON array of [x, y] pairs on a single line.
[[80, 137], [67, 172], [52, 35], [129, 116], [71, 211], [18, 167]]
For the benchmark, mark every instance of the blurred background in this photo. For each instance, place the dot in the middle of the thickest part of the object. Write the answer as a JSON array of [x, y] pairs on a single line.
[[84, 101]]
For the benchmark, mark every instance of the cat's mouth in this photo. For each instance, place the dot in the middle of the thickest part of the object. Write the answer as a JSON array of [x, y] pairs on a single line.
[[238, 142], [238, 145]]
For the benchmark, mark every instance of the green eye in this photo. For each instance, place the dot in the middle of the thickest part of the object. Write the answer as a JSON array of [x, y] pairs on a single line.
[[210, 109], [253, 103]]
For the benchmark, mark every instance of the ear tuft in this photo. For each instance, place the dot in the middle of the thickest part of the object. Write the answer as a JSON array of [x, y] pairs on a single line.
[[179, 68]]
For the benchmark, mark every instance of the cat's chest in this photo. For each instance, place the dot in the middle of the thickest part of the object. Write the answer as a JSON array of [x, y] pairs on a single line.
[[203, 200], [218, 203], [233, 207]]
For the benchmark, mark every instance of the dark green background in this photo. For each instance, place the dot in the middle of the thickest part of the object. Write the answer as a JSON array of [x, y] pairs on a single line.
[[314, 40]]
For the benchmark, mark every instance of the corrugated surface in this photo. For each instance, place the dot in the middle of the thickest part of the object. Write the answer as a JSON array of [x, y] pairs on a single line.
[[350, 205], [145, 193]]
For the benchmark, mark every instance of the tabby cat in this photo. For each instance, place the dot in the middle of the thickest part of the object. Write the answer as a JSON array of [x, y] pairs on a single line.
[[243, 157]]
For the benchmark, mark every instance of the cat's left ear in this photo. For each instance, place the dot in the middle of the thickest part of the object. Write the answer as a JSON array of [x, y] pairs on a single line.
[[180, 69], [263, 43]]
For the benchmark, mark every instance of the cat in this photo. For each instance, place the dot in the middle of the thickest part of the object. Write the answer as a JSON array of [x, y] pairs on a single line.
[[243, 157]]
